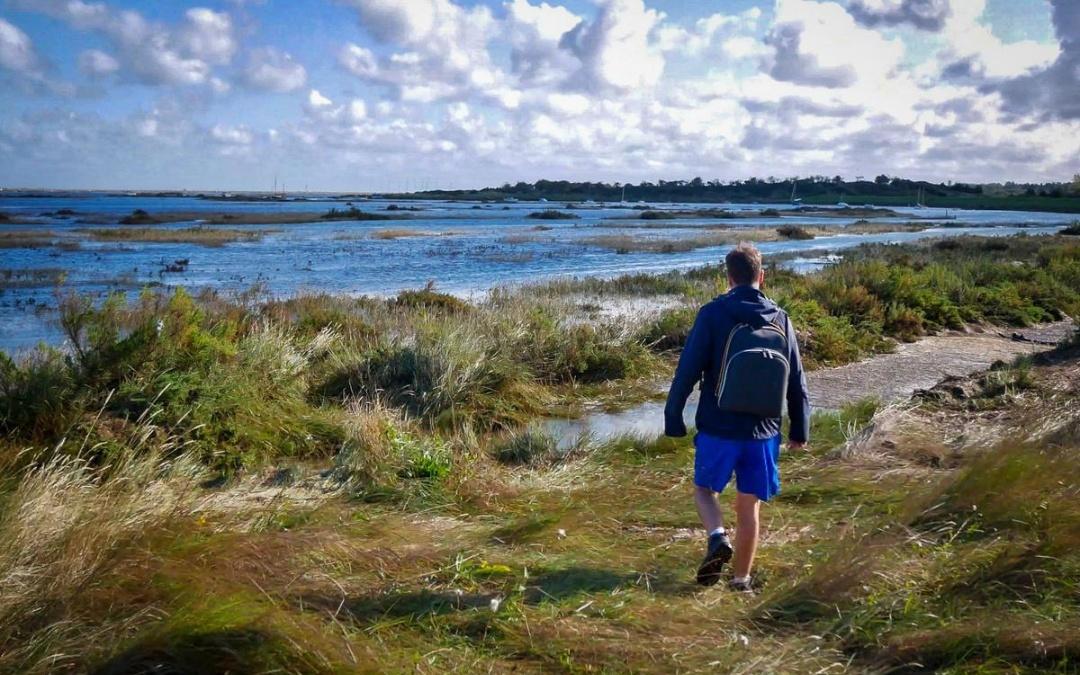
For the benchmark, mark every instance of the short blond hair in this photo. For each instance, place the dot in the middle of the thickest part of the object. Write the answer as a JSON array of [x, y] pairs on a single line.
[[743, 263]]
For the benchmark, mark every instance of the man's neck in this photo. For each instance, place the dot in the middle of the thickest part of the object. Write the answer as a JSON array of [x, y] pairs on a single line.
[[755, 286]]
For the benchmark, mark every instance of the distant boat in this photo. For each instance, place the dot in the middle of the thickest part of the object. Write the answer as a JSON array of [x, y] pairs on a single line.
[[795, 200], [623, 201], [510, 199], [919, 200], [842, 205], [542, 200]]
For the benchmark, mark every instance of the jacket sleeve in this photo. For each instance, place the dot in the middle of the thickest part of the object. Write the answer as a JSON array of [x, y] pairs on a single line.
[[798, 397], [692, 363]]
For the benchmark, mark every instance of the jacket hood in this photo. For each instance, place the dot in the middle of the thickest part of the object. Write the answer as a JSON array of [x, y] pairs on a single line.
[[746, 304]]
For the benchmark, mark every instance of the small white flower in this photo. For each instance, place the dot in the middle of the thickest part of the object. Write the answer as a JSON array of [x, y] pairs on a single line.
[[495, 602], [561, 533]]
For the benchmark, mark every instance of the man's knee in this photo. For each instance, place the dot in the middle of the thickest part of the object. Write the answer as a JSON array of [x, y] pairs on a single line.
[[746, 507], [703, 491]]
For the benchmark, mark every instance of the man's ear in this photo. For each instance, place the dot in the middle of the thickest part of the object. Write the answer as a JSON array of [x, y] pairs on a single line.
[[761, 278]]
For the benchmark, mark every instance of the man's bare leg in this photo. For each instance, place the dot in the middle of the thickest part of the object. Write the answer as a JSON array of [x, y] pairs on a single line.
[[718, 551], [708, 508], [747, 507]]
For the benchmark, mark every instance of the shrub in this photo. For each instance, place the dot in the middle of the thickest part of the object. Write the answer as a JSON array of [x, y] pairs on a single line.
[[429, 298], [36, 395], [1072, 230], [793, 232], [553, 214], [670, 330], [138, 217], [655, 214]]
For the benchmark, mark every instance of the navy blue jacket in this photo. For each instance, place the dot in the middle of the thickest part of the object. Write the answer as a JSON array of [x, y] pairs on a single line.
[[701, 362]]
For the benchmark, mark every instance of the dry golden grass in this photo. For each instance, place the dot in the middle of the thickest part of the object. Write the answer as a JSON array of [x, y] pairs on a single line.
[[390, 234], [204, 236]]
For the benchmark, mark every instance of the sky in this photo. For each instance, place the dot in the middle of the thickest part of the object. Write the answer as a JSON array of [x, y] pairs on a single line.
[[384, 95]]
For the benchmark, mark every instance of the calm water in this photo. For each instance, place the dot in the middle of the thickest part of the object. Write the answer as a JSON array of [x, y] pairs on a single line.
[[468, 248]]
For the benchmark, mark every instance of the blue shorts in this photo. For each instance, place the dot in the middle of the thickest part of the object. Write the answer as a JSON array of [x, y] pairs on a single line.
[[752, 462]]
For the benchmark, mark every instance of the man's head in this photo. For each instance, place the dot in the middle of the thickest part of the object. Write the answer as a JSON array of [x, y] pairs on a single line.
[[744, 267]]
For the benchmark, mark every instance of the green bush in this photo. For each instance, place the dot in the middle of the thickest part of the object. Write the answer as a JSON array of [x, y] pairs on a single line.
[[670, 330]]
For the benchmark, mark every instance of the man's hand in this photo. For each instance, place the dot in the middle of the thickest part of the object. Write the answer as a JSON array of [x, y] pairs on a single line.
[[796, 445]]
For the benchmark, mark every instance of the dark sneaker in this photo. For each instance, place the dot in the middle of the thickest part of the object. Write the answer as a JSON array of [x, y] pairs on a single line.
[[740, 586], [717, 555]]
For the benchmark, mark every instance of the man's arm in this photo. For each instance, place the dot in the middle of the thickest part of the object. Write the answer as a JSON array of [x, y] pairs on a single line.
[[798, 397], [691, 365]]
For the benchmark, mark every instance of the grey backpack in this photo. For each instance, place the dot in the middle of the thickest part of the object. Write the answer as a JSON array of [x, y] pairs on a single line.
[[754, 375]]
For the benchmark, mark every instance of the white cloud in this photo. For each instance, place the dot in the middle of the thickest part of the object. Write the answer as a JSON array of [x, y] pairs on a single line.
[[16, 50], [228, 135], [445, 51], [1051, 91], [153, 53], [973, 50], [820, 44], [615, 49], [96, 63], [317, 100], [272, 70], [707, 31], [534, 33], [743, 47], [208, 35]]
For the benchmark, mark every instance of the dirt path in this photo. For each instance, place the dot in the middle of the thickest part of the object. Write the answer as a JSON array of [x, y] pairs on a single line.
[[922, 364], [888, 377]]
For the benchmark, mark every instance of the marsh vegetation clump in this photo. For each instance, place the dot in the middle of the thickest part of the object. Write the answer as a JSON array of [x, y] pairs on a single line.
[[203, 236], [553, 214], [40, 277], [27, 238], [139, 217], [794, 232], [353, 213], [1072, 230]]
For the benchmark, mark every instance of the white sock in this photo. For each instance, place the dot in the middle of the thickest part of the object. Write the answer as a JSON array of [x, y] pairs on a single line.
[[718, 530], [741, 580]]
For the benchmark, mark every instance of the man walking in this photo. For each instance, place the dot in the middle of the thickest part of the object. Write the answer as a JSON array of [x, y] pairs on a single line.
[[744, 352]]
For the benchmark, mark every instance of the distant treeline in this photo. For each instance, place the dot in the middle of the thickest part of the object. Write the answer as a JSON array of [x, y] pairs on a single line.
[[882, 191]]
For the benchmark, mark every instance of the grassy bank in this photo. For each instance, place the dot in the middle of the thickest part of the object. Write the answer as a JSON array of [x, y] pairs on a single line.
[[873, 559]]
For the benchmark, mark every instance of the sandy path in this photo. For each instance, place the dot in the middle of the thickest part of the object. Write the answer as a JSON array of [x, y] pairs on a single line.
[[919, 365], [888, 377]]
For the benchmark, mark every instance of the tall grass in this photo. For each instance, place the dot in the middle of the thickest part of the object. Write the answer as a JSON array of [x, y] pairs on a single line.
[[64, 521], [981, 570], [204, 236], [240, 384]]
